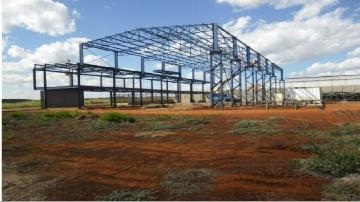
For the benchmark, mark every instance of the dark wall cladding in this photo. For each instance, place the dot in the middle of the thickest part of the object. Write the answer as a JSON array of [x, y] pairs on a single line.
[[62, 98]]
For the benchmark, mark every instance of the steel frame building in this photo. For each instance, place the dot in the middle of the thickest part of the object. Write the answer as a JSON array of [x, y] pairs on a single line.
[[231, 65]]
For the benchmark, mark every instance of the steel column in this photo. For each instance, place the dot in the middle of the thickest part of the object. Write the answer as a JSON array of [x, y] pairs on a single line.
[[179, 86], [240, 83], [101, 80], [116, 65], [203, 87], [79, 86], [34, 77], [45, 89], [167, 91], [192, 86], [114, 88], [142, 73], [152, 91], [133, 91], [221, 83], [161, 81]]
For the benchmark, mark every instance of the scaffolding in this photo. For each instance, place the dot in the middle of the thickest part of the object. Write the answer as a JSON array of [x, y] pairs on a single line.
[[228, 66]]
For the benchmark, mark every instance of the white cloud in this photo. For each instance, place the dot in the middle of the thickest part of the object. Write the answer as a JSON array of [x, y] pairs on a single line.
[[17, 74], [313, 8], [96, 60], [43, 16], [310, 8], [354, 53], [347, 66], [350, 65], [16, 51], [60, 51], [293, 40], [238, 26]]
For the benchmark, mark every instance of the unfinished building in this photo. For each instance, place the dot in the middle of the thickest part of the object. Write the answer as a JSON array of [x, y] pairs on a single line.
[[229, 68]]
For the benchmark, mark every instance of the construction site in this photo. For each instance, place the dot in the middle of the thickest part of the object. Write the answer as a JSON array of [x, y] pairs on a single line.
[[200, 115], [231, 70]]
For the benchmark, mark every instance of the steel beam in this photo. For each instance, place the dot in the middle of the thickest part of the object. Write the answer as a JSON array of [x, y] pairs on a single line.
[[205, 47]]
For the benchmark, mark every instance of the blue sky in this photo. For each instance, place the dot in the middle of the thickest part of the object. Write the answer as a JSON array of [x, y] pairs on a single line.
[[305, 37]]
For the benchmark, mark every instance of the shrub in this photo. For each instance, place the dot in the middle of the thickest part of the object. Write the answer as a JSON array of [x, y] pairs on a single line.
[[195, 121], [344, 189], [347, 129], [135, 195], [332, 159], [252, 126], [17, 115], [189, 181], [60, 115], [154, 126], [276, 118], [117, 117]]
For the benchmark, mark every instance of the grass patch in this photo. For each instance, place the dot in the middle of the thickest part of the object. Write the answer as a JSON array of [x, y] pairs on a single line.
[[347, 129], [117, 117], [160, 126], [133, 195], [194, 122], [60, 115], [333, 162], [276, 118], [254, 127], [337, 157], [166, 122], [18, 115], [32, 165], [344, 189], [191, 181], [15, 149], [9, 135], [21, 104]]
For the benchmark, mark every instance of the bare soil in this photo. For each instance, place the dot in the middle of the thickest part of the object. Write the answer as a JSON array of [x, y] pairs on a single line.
[[243, 167]]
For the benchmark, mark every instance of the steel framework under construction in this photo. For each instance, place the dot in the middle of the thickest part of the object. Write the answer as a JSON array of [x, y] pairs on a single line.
[[228, 66]]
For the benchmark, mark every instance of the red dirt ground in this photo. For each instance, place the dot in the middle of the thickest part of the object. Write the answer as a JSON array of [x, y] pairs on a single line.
[[248, 167]]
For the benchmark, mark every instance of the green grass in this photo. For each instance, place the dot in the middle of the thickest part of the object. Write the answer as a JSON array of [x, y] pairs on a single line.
[[18, 115], [117, 117], [333, 162], [344, 189], [21, 104], [277, 118], [337, 155], [154, 126], [192, 121], [254, 127], [190, 181], [347, 129], [60, 114], [15, 149], [133, 195], [166, 122], [33, 165]]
